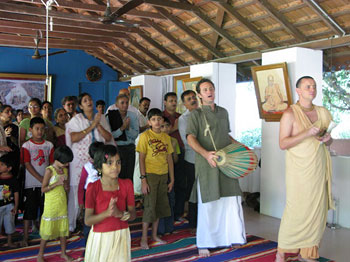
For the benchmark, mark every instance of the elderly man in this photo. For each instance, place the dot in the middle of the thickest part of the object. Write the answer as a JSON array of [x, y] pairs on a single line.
[[125, 129], [125, 92]]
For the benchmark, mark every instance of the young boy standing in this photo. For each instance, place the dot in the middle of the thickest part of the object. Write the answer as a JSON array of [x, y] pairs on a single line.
[[37, 154], [9, 197], [156, 163]]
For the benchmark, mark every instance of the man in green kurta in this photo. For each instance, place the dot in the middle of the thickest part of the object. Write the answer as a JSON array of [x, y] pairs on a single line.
[[220, 215]]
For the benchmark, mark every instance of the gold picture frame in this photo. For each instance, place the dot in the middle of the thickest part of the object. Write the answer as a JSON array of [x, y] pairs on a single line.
[[136, 93], [178, 89], [272, 90], [17, 89]]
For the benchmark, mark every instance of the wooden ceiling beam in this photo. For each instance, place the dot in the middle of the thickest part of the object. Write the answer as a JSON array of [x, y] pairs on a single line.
[[63, 29], [223, 33], [218, 20], [72, 19], [174, 40], [282, 20], [235, 14], [62, 42], [32, 32], [123, 59], [148, 53], [325, 17], [98, 53], [119, 44], [79, 6], [162, 49], [189, 31], [31, 45]]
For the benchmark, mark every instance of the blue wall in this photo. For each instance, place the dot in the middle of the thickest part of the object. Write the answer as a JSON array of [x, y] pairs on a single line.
[[68, 71]]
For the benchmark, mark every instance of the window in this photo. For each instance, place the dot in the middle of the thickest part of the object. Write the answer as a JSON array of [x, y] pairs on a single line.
[[336, 98], [247, 121]]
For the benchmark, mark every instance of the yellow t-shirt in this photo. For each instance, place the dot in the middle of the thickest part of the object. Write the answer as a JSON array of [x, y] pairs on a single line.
[[156, 147]]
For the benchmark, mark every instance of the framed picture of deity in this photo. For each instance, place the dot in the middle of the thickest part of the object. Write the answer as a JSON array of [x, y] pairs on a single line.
[[17, 89], [136, 93], [272, 90]]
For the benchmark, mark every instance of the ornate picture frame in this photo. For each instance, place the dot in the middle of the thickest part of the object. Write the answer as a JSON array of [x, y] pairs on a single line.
[[272, 90], [17, 89], [136, 93]]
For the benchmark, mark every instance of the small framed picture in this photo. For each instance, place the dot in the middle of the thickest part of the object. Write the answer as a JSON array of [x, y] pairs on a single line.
[[136, 93], [272, 90]]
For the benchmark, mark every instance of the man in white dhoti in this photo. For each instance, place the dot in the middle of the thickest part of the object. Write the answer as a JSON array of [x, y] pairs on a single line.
[[308, 174], [220, 214]]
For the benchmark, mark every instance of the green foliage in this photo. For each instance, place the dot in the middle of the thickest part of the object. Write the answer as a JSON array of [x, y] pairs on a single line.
[[336, 92], [251, 138]]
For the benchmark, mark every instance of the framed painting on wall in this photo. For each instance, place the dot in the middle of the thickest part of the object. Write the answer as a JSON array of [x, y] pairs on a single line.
[[17, 89], [135, 95], [272, 90], [178, 89]]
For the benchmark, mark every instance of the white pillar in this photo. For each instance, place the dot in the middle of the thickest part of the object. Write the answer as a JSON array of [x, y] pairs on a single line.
[[151, 88], [301, 62], [223, 76]]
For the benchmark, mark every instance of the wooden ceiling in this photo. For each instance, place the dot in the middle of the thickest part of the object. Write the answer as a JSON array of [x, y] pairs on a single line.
[[167, 36]]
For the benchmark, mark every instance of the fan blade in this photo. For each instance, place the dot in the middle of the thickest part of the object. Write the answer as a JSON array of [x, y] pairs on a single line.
[[53, 53], [126, 8]]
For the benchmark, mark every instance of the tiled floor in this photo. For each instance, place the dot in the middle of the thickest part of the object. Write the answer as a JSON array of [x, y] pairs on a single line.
[[335, 243]]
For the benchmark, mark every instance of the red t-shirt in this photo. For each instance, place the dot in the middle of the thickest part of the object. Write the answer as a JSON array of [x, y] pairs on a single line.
[[98, 199]]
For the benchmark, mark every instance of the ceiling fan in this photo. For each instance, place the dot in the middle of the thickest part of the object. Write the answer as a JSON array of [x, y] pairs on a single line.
[[115, 17], [36, 54]]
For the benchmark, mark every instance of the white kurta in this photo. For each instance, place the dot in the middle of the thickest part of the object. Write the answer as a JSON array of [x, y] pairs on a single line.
[[81, 157], [220, 222]]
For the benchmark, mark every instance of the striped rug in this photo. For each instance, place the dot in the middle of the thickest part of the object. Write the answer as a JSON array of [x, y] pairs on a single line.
[[180, 247]]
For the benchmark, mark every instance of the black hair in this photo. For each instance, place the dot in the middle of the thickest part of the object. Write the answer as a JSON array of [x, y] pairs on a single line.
[[120, 97], [169, 94], [3, 107], [80, 97], [8, 160], [166, 120], [100, 102], [93, 148], [63, 154], [36, 120], [18, 111], [203, 80], [102, 154], [36, 100], [301, 79], [154, 112], [186, 93], [57, 111], [68, 98], [144, 99], [46, 102]]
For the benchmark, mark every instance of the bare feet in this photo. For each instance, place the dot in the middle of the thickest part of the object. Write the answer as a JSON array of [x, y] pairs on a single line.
[[25, 243], [40, 259], [279, 257], [159, 240], [144, 244], [203, 252], [306, 259], [12, 245], [66, 257]]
